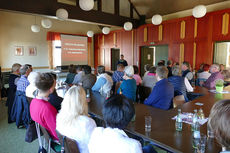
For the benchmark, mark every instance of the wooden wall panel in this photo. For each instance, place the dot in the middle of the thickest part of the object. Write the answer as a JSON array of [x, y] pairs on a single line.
[[202, 54], [188, 52], [202, 24], [109, 40], [153, 34], [174, 52], [189, 28], [126, 46]]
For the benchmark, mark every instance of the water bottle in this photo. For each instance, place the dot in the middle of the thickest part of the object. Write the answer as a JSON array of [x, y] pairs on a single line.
[[194, 120], [196, 135], [179, 121], [201, 114]]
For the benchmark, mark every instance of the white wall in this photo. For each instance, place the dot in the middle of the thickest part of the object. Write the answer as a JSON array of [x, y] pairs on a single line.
[[15, 31]]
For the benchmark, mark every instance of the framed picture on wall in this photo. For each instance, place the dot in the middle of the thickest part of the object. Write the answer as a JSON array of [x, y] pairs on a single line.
[[32, 51], [18, 50]]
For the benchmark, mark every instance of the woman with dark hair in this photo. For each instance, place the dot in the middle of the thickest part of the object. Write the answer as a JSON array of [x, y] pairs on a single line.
[[117, 113], [136, 75], [41, 110], [71, 74]]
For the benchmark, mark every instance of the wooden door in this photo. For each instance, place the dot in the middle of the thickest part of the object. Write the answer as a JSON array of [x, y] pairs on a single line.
[[115, 55], [146, 58]]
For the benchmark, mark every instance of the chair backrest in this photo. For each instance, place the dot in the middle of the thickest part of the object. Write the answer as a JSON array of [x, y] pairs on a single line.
[[144, 92], [45, 133], [117, 86], [178, 100], [70, 145]]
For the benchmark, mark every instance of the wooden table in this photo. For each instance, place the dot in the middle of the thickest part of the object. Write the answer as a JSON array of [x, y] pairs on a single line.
[[163, 131]]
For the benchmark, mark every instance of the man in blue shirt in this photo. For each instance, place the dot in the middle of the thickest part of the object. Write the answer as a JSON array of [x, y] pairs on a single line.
[[163, 92], [118, 74]]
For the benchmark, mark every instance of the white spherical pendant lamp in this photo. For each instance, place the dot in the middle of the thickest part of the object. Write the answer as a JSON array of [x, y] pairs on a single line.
[[90, 33], [46, 23], [199, 11], [86, 5], [105, 30], [35, 28], [128, 26], [62, 14], [157, 19]]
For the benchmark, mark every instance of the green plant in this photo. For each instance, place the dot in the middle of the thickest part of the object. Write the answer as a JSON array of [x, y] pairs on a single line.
[[219, 83]]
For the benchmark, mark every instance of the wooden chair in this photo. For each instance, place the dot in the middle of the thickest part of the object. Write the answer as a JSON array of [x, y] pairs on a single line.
[[69, 146], [51, 144], [178, 100]]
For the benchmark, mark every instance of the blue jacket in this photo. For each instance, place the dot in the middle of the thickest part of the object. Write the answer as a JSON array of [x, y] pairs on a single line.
[[128, 89], [161, 95]]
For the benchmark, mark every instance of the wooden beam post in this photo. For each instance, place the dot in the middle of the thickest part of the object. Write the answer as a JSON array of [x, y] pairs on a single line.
[[117, 7]]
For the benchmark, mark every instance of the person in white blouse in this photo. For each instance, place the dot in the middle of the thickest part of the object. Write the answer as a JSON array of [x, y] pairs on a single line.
[[117, 113], [31, 87], [203, 76], [73, 120]]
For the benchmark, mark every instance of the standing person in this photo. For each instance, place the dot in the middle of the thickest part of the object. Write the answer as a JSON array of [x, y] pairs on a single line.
[[117, 113], [128, 86], [104, 81], [79, 75], [41, 110], [20, 109], [13, 79], [71, 74], [163, 92], [89, 79], [122, 61], [186, 71], [169, 67], [73, 120], [136, 75], [215, 75]]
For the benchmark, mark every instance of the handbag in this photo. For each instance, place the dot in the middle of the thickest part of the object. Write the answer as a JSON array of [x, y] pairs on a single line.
[[31, 133]]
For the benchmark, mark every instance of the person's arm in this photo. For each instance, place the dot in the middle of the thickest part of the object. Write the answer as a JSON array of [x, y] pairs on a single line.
[[152, 97], [99, 83], [188, 85], [189, 76], [50, 119]]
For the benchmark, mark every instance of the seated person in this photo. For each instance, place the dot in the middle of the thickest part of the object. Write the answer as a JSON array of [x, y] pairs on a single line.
[[128, 86], [104, 81], [20, 109], [73, 120], [113, 139], [118, 74], [89, 79], [169, 67], [13, 79], [30, 90], [136, 75], [146, 68], [201, 69], [79, 75], [181, 85], [41, 110], [222, 67], [149, 80], [163, 92], [204, 75], [219, 121], [71, 74], [186, 71], [215, 75]]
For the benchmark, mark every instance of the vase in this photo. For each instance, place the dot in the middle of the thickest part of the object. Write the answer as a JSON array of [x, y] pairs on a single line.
[[219, 88]]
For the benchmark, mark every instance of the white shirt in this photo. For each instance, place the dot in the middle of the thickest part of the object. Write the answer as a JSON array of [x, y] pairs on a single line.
[[203, 75], [189, 76], [79, 130], [78, 77], [30, 90], [108, 140], [188, 85]]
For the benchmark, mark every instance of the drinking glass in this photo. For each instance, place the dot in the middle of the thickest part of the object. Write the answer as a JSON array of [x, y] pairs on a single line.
[[202, 143], [148, 121]]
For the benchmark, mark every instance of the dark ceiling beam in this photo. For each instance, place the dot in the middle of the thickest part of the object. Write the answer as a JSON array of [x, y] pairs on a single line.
[[99, 6], [134, 8], [117, 7], [49, 7], [131, 10]]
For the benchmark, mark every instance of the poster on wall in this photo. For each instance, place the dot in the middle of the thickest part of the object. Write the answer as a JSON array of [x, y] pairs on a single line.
[[18, 50], [32, 51]]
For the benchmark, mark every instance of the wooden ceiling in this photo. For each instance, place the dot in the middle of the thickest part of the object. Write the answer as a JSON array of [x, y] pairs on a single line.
[[164, 7]]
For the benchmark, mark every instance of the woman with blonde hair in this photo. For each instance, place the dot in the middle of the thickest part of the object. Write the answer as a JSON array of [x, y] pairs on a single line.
[[73, 120]]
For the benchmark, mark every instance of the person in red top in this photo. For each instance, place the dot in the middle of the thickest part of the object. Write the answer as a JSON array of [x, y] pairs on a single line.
[[41, 110]]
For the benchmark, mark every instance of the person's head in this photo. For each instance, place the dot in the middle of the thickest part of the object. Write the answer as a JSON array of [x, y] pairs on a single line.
[[160, 63], [120, 67], [152, 69], [147, 67], [163, 62], [30, 66], [87, 69], [72, 68], [226, 74], [122, 56], [101, 69], [16, 68], [206, 67], [214, 68], [219, 122], [222, 67], [118, 111], [176, 70], [74, 103], [78, 68], [33, 77], [45, 82], [129, 71], [25, 70], [169, 63], [202, 66], [185, 66], [135, 69], [161, 72]]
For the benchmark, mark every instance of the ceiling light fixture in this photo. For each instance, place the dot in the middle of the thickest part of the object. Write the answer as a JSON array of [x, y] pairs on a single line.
[[62, 14], [86, 5], [157, 19], [90, 33], [46, 23], [128, 26], [199, 11], [105, 30], [35, 27]]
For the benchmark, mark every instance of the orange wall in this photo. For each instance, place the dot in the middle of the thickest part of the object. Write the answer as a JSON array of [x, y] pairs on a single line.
[[198, 47]]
